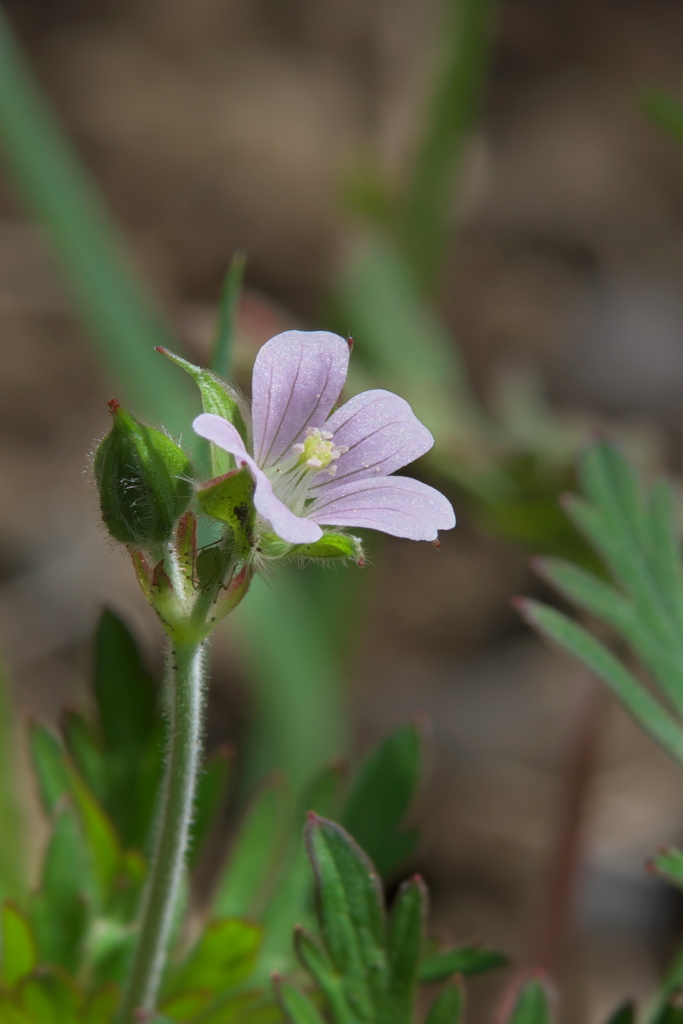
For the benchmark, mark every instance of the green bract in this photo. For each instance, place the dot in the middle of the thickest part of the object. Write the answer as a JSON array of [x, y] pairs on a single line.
[[144, 481]]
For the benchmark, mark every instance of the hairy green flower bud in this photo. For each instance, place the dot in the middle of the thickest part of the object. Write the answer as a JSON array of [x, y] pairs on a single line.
[[144, 481]]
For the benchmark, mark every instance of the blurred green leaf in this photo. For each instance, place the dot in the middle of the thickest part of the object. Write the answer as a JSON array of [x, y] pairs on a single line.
[[644, 708], [86, 751], [221, 355], [532, 1005], [47, 755], [466, 960], [50, 998], [59, 911], [668, 864], [329, 981], [296, 1006], [671, 1012], [127, 701], [380, 797], [255, 854], [448, 1007], [212, 790], [101, 1006], [664, 110], [223, 956], [625, 1014], [17, 946]]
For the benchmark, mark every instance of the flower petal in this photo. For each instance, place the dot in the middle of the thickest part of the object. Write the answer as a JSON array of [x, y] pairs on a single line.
[[382, 434], [285, 524], [298, 377], [398, 505]]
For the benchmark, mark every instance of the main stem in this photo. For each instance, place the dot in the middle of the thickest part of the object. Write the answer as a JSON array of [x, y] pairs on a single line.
[[175, 816]]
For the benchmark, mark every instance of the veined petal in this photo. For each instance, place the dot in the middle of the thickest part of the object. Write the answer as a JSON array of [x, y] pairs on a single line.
[[285, 524], [298, 377], [397, 505], [382, 434]]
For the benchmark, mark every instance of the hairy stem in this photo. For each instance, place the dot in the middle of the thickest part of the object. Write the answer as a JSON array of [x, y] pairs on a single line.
[[168, 858]]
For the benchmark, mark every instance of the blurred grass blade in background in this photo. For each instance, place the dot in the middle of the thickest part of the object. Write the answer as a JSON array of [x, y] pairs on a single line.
[[61, 196], [466, 37], [221, 354]]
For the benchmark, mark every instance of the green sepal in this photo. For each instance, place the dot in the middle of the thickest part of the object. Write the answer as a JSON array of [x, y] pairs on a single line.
[[331, 545], [448, 1007], [230, 499], [144, 481], [218, 398]]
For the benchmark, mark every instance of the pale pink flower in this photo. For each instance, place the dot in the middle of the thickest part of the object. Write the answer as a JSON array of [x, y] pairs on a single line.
[[313, 469]]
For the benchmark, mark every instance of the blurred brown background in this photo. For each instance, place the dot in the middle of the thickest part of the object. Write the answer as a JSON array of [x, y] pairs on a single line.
[[219, 125]]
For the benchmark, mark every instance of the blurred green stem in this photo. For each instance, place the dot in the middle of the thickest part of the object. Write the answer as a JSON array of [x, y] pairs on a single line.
[[55, 187], [185, 673], [467, 33]]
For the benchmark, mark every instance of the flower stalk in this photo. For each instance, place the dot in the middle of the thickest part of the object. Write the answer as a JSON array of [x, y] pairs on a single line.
[[185, 698]]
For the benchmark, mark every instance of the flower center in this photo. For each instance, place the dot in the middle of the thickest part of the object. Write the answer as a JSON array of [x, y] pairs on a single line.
[[319, 451]]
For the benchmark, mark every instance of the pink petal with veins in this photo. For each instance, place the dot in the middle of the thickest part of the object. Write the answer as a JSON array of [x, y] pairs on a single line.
[[382, 434], [298, 377], [398, 505]]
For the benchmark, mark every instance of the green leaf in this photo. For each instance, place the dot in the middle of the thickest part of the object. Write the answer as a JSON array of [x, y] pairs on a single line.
[[221, 355], [448, 1007], [644, 708], [597, 597], [223, 956], [217, 398], [321, 969], [127, 700], [297, 1007], [380, 797], [405, 937], [17, 946], [671, 1012], [466, 960], [624, 1014], [49, 765], [85, 750], [351, 913], [230, 498], [50, 998], [102, 1005], [212, 790], [102, 843], [254, 858], [532, 1005], [125, 692], [59, 911], [668, 864]]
